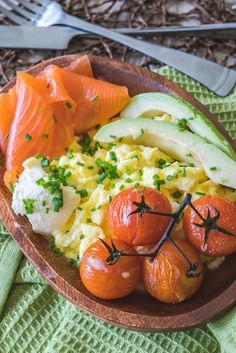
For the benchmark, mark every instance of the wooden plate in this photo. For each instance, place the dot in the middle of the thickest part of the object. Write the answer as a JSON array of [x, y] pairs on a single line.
[[136, 311]]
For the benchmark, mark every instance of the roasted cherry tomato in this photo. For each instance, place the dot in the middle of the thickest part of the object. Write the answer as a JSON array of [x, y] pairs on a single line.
[[110, 281], [167, 278], [209, 236], [138, 229]]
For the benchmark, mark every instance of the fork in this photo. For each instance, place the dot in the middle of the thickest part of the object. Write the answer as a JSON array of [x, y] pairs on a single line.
[[217, 78]]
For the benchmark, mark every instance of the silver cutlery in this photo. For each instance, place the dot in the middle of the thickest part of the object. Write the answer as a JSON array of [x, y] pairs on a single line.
[[217, 78], [212, 30], [55, 37]]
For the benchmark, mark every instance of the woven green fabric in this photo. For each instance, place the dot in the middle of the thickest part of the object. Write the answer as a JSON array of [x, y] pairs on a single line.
[[36, 319]]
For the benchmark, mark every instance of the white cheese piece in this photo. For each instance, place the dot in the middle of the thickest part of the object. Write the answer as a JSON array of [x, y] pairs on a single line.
[[26, 188]]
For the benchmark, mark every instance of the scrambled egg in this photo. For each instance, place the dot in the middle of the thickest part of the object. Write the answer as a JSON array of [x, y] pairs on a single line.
[[96, 174]]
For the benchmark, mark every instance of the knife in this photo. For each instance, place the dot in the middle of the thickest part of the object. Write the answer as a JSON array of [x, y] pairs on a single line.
[[58, 37]]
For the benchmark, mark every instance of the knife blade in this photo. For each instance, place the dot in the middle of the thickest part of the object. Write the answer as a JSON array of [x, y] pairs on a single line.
[[58, 37], [36, 37]]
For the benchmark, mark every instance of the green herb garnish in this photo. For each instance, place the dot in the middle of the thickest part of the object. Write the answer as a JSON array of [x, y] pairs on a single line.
[[113, 156], [29, 205], [95, 98], [69, 105], [177, 194], [28, 137], [83, 193], [45, 162], [182, 124], [157, 182]]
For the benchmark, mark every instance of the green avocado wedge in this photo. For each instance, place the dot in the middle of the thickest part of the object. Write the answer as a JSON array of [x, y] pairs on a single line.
[[181, 145], [149, 105]]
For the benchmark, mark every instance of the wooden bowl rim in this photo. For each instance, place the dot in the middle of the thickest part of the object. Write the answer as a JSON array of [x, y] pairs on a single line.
[[89, 303]]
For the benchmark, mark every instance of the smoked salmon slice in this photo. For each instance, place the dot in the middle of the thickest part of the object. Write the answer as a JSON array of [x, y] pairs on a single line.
[[41, 115], [81, 66], [37, 125], [7, 109], [97, 101]]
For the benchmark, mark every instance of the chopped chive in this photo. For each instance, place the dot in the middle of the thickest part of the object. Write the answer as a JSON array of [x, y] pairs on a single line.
[[57, 203], [191, 165], [11, 186], [128, 180], [69, 105], [99, 207], [80, 164], [109, 198], [135, 157], [120, 139], [112, 186], [47, 210], [200, 193], [68, 174], [142, 131], [213, 168], [157, 182], [95, 98], [93, 209], [113, 156], [189, 155], [90, 167], [183, 172], [182, 124], [127, 170], [70, 154], [83, 193], [45, 162], [136, 185], [121, 187], [110, 145], [79, 208], [28, 137], [88, 220], [82, 236], [43, 203], [169, 177], [101, 177], [113, 136], [140, 172], [177, 194], [161, 164], [29, 205], [44, 136]]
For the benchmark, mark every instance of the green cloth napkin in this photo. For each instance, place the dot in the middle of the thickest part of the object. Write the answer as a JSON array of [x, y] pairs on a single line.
[[36, 319]]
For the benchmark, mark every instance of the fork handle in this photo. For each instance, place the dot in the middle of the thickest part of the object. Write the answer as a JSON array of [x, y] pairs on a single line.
[[210, 74]]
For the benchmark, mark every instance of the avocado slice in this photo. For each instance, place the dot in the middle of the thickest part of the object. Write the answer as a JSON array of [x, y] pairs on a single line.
[[149, 105], [181, 145]]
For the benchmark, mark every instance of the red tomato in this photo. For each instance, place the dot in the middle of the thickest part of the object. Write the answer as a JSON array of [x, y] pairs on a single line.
[[165, 277], [218, 244], [109, 281], [132, 229]]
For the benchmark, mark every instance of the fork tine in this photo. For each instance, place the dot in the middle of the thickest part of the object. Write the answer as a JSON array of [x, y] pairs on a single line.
[[19, 10], [15, 18], [40, 2], [30, 6]]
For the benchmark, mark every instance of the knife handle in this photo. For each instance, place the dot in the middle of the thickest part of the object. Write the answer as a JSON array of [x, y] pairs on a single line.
[[211, 75]]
